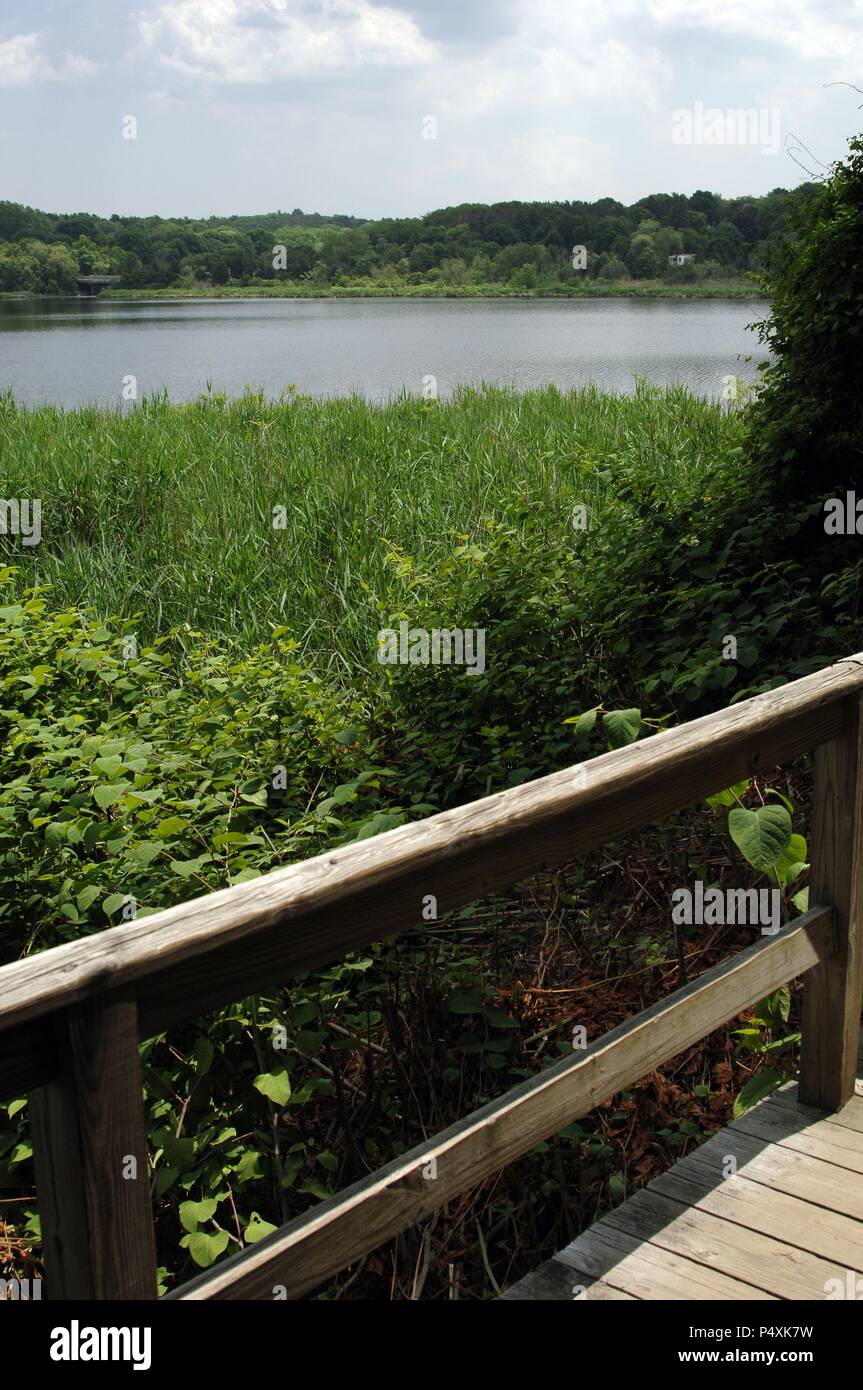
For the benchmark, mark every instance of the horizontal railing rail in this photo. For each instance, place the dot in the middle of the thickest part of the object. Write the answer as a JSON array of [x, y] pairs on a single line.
[[71, 1017], [347, 1226]]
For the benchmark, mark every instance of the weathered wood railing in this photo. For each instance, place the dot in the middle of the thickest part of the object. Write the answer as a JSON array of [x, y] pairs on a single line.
[[71, 1018]]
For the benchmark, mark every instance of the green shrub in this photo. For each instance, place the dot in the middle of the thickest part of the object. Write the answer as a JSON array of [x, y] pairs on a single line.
[[807, 427], [136, 778]]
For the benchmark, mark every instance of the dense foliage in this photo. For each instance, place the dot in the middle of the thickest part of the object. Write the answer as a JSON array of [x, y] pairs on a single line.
[[807, 427], [146, 765], [521, 245], [130, 778]]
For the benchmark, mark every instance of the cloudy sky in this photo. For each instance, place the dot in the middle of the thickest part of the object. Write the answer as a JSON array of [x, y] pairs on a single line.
[[254, 105]]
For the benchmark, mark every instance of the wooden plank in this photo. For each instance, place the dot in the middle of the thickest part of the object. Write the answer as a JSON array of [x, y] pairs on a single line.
[[340, 1230], [192, 957], [850, 1116], [779, 1269], [746, 1203], [88, 1126], [818, 1183], [556, 1282], [831, 1143], [832, 994], [649, 1271]]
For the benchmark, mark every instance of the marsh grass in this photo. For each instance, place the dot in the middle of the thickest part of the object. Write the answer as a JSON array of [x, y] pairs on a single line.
[[167, 510], [731, 287]]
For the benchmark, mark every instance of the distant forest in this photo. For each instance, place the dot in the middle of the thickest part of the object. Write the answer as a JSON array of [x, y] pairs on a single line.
[[522, 245]]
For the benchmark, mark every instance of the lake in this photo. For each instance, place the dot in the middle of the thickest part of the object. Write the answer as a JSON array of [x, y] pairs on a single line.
[[78, 351]]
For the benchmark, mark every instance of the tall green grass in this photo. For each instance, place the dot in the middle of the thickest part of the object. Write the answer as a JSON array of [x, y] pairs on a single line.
[[168, 510]]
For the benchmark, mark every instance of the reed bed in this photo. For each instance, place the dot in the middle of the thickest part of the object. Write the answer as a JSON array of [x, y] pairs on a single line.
[[238, 516]]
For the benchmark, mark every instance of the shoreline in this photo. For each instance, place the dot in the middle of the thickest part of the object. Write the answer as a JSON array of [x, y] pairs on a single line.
[[648, 290]]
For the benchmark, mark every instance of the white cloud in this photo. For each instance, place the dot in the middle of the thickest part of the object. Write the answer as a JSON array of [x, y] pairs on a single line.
[[542, 163], [265, 40], [534, 98], [574, 65], [824, 30], [23, 63]]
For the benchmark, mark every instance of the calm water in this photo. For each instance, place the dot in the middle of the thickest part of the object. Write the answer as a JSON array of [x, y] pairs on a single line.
[[75, 351]]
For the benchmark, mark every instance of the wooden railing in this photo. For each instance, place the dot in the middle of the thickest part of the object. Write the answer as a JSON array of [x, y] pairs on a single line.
[[72, 1017]]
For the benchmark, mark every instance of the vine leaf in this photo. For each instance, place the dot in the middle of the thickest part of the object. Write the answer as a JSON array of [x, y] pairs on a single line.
[[762, 836]]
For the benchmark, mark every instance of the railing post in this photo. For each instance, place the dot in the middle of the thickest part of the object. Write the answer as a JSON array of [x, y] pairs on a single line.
[[832, 989], [90, 1151]]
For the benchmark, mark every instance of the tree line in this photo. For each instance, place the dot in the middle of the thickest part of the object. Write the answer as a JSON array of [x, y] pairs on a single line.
[[523, 245]]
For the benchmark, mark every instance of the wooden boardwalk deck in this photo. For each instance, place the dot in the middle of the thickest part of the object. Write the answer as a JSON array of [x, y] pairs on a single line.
[[790, 1220]]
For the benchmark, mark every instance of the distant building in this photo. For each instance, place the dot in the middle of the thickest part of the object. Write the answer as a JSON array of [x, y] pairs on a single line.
[[90, 285], [681, 257]]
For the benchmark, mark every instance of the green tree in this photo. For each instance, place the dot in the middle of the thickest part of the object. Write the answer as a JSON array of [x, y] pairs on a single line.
[[726, 245], [17, 271], [56, 269], [91, 259], [643, 258], [807, 424], [422, 257]]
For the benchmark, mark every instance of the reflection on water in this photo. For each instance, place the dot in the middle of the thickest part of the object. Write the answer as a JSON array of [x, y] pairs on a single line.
[[77, 351]]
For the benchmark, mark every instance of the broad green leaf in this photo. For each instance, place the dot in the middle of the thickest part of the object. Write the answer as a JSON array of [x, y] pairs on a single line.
[[109, 793], [617, 1187], [275, 1085], [315, 1189], [791, 862], [205, 1248], [499, 1018], [145, 853], [109, 765], [583, 724], [165, 1178], [756, 1088], [776, 1007], [466, 1001], [258, 1228], [622, 726], [180, 1153], [192, 1214], [248, 1168], [185, 868], [762, 836], [87, 896], [730, 796], [172, 825]]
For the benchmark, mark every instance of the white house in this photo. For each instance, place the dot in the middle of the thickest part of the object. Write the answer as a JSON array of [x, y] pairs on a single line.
[[681, 257]]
